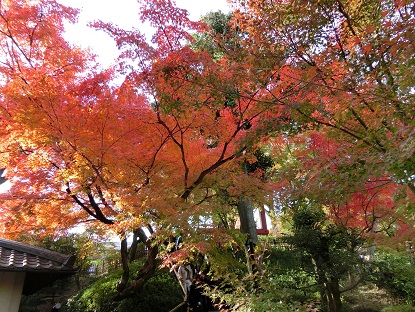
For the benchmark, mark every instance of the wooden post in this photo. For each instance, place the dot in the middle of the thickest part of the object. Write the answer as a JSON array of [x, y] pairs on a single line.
[[263, 218]]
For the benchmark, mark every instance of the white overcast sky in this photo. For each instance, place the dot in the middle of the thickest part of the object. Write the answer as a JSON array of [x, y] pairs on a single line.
[[123, 13]]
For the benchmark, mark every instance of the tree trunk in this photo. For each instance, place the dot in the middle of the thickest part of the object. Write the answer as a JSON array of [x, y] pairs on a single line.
[[329, 286], [133, 248], [248, 226], [122, 283], [330, 293], [78, 281], [322, 282], [147, 271], [335, 294], [246, 216]]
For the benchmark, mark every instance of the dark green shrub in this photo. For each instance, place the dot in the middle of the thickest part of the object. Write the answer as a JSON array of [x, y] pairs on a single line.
[[282, 285], [394, 272], [97, 297], [160, 294]]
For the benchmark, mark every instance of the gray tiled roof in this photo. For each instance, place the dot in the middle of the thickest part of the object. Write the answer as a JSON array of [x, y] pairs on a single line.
[[15, 256]]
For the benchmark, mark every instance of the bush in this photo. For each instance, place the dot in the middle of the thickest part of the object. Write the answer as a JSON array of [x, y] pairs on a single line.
[[97, 297], [394, 272], [160, 294], [281, 285]]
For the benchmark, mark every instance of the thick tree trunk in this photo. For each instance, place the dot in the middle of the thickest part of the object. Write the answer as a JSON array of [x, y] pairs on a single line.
[[248, 226], [329, 290], [335, 294], [322, 281], [332, 294], [329, 286], [246, 216]]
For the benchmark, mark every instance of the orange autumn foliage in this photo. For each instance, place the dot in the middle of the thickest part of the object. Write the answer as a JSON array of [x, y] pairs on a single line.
[[156, 148], [79, 149]]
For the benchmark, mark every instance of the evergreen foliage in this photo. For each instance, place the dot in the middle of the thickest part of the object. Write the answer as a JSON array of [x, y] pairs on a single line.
[[160, 294], [394, 272]]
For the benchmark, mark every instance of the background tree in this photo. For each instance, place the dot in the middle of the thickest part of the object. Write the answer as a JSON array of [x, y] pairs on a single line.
[[333, 251], [342, 67], [337, 208]]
